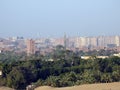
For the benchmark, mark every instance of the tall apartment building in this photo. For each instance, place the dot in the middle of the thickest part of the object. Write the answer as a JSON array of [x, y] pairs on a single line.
[[83, 41], [117, 40], [100, 41], [30, 47], [77, 42], [93, 41]]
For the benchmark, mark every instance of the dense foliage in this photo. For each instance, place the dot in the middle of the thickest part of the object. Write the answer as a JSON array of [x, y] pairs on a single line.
[[66, 69]]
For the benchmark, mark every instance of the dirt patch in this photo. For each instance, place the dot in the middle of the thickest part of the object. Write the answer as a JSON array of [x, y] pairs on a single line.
[[101, 86]]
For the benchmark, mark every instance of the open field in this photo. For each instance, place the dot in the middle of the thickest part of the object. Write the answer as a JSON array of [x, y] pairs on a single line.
[[101, 86]]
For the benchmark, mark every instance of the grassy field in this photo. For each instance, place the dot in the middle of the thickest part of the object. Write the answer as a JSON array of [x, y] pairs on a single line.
[[101, 86]]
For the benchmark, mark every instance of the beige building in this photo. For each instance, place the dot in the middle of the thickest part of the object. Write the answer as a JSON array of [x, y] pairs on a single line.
[[101, 41], [93, 41], [83, 41], [30, 47], [117, 40], [77, 42]]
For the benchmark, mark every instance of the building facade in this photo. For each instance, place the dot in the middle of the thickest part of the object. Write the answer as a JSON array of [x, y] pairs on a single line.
[[30, 47]]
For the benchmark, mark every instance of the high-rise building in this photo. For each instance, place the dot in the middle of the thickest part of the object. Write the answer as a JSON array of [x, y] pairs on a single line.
[[83, 42], [117, 40], [30, 47], [101, 41], [65, 41], [93, 41], [77, 42]]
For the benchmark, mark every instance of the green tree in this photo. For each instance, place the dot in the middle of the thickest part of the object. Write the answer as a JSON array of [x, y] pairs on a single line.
[[16, 79]]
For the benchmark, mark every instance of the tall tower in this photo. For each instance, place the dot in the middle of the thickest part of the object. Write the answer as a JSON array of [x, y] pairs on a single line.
[[30, 47], [65, 41]]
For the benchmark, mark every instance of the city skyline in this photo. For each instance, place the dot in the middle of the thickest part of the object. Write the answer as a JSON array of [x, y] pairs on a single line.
[[54, 18], [32, 46]]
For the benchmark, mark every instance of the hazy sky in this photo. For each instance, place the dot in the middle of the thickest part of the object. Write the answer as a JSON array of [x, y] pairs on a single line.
[[51, 18]]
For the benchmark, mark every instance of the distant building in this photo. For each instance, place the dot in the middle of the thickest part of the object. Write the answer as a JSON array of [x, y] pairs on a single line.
[[93, 41], [102, 57], [89, 57], [101, 41], [117, 40], [1, 51], [118, 55], [0, 72], [77, 42], [83, 41], [66, 42], [30, 47], [85, 57]]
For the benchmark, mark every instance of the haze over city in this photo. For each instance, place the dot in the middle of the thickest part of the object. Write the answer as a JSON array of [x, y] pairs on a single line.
[[51, 18], [60, 44]]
